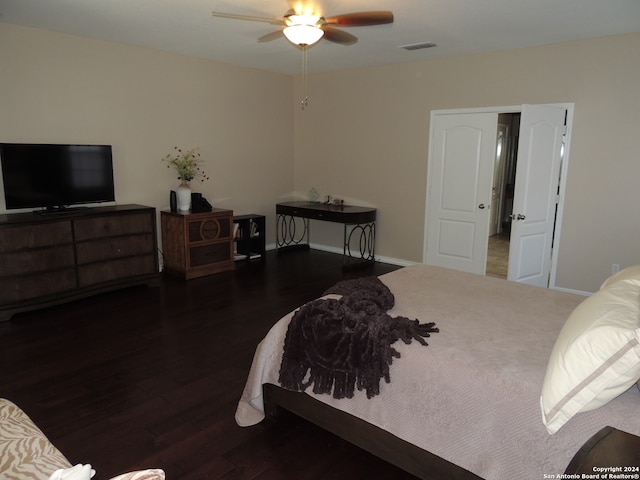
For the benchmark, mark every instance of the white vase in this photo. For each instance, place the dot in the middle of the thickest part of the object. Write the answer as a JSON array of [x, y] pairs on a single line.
[[183, 197]]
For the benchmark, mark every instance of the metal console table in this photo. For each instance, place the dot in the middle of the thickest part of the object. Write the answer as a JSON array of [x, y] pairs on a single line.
[[359, 228]]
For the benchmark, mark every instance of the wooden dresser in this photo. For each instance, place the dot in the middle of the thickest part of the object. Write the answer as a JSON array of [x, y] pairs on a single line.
[[51, 259], [197, 244]]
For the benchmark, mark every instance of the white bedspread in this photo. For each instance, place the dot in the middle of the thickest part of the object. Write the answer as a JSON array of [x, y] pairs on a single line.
[[471, 396]]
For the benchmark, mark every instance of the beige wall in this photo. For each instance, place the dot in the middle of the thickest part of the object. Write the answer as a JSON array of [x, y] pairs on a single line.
[[64, 89], [365, 137]]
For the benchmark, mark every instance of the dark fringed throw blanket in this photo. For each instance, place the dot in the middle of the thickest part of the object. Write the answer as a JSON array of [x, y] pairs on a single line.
[[342, 344]]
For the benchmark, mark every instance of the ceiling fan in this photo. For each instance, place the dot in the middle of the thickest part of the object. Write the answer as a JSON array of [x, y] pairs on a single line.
[[303, 25]]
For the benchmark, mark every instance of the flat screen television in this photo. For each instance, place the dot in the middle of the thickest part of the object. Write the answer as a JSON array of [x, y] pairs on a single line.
[[53, 177]]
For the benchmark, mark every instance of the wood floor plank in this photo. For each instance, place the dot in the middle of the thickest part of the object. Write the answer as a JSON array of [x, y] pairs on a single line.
[[151, 377]]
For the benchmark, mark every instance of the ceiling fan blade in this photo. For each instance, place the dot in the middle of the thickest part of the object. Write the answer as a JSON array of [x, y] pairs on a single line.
[[361, 19], [339, 36], [273, 21], [271, 36]]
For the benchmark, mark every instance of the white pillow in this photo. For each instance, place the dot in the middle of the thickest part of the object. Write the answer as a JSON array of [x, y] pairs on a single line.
[[85, 472], [596, 356], [629, 274], [77, 472]]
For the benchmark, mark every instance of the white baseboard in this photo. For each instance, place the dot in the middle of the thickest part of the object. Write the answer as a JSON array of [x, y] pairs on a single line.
[[389, 260], [325, 248], [576, 292]]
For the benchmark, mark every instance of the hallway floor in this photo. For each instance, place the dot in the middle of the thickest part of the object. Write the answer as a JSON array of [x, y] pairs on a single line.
[[498, 256]]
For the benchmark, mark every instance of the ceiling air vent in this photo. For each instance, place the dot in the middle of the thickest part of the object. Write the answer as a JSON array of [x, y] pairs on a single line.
[[419, 46]]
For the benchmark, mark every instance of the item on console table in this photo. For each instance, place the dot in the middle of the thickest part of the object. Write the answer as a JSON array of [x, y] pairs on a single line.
[[314, 196]]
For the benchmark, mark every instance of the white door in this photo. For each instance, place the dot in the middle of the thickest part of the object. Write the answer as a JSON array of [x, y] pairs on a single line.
[[460, 176], [536, 193]]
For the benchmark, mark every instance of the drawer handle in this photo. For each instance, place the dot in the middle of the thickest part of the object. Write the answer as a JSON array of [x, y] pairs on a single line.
[[209, 229]]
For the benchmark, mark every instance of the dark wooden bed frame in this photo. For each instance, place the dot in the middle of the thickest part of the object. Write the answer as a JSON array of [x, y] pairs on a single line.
[[608, 447]]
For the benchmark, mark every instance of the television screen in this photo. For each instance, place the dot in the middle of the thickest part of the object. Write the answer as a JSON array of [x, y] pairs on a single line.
[[55, 176]]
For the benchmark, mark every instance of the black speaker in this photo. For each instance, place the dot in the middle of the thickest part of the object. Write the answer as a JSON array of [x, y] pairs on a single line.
[[173, 201]]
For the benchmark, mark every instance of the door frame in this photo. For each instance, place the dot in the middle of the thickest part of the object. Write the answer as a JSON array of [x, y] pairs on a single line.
[[569, 107], [500, 176]]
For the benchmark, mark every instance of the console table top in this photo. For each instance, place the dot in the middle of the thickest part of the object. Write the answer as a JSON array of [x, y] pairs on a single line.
[[323, 207], [347, 214]]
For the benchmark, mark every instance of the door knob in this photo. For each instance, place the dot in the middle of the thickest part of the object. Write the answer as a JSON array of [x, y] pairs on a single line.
[[520, 217], [481, 206]]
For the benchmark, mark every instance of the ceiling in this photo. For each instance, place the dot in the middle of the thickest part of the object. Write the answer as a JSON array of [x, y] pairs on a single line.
[[459, 27]]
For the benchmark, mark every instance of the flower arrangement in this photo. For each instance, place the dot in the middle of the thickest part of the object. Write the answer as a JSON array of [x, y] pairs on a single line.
[[187, 164]]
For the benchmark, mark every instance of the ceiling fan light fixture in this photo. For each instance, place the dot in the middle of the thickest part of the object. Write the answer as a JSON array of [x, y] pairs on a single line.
[[302, 19], [303, 29], [303, 34]]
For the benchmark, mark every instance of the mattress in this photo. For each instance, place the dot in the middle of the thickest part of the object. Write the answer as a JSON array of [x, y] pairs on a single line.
[[472, 395]]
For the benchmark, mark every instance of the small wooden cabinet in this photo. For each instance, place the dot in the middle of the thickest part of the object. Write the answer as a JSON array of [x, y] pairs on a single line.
[[197, 244], [50, 259]]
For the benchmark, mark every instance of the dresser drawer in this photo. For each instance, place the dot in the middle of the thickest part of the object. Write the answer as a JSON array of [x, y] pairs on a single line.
[[32, 261], [209, 254], [23, 237], [209, 229], [101, 272], [114, 247], [111, 226], [17, 289]]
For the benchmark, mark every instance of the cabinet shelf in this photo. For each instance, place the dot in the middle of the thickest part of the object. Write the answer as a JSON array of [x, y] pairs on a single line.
[[249, 237]]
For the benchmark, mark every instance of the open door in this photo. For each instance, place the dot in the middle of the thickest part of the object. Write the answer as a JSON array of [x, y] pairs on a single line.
[[460, 172], [460, 178], [536, 193]]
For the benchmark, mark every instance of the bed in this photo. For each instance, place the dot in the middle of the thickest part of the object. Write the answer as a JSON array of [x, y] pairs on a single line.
[[481, 400]]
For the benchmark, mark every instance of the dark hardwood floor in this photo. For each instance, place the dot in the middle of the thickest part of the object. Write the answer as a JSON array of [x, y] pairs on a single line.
[[150, 377]]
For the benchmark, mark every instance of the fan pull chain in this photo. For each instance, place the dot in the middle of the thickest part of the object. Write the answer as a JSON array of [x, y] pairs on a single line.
[[305, 99]]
